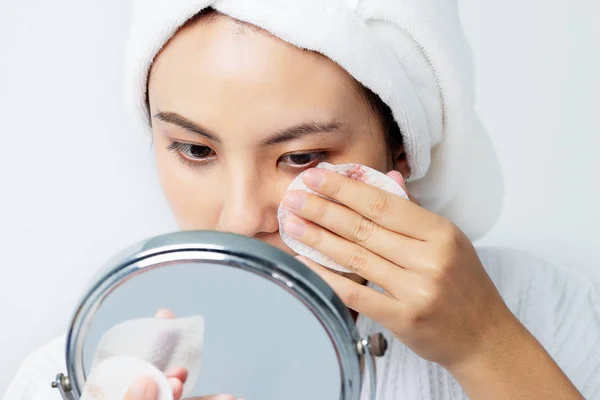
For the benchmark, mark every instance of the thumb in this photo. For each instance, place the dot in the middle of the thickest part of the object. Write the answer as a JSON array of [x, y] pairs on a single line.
[[143, 389]]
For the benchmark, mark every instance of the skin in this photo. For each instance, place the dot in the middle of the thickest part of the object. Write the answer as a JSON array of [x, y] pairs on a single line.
[[233, 89]]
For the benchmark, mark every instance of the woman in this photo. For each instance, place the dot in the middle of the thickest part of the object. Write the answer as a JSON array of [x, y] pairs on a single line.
[[240, 108]]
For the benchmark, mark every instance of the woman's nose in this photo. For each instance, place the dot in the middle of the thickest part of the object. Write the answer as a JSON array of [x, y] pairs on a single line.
[[249, 213]]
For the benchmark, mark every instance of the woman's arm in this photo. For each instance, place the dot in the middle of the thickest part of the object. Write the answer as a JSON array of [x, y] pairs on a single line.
[[554, 338], [514, 366]]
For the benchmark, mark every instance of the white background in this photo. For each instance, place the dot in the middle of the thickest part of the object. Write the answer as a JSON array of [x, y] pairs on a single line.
[[77, 185]]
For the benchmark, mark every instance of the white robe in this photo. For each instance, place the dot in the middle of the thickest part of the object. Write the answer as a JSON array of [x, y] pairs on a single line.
[[560, 308]]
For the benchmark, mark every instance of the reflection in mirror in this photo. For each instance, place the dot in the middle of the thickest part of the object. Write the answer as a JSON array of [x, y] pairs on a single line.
[[223, 324]]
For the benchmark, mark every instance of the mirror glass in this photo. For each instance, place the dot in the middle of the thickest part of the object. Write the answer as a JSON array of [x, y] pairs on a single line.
[[260, 342]]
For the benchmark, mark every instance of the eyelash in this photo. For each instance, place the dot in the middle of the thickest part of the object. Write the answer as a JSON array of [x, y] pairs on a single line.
[[181, 149]]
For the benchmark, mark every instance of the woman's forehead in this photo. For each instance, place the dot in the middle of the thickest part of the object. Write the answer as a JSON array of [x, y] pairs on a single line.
[[214, 56], [230, 80]]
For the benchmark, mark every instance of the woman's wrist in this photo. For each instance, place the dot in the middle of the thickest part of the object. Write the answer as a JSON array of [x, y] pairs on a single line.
[[511, 363]]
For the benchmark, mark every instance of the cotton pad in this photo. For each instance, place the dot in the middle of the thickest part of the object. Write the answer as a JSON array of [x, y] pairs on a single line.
[[163, 343], [114, 376], [357, 172]]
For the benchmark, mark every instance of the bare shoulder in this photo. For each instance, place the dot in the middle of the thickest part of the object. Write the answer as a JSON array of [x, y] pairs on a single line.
[[37, 371]]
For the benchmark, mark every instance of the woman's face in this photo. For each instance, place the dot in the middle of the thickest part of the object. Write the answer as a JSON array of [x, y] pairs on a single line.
[[238, 113]]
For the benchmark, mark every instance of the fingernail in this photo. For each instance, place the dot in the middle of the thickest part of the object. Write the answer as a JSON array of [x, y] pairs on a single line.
[[314, 177], [295, 200], [164, 313], [295, 227], [177, 372]]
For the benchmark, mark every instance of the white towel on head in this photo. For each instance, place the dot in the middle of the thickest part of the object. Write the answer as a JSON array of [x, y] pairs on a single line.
[[412, 53], [162, 344]]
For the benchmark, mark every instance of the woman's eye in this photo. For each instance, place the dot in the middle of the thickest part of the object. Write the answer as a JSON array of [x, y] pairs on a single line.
[[192, 155], [195, 151], [192, 151], [303, 159]]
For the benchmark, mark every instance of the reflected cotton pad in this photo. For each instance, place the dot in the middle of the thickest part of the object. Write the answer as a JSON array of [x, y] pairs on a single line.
[[114, 376], [357, 172], [163, 343]]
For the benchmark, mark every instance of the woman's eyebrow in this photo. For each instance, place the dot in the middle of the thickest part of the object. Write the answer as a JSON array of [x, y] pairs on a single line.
[[182, 122], [297, 131], [286, 135]]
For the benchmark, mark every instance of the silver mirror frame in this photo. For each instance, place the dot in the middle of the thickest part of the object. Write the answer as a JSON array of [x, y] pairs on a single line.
[[234, 251]]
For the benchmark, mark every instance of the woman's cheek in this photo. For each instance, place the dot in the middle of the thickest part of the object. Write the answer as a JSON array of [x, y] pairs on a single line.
[[186, 191]]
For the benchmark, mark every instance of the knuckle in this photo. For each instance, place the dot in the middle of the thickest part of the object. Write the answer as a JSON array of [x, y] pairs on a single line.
[[423, 310], [441, 265], [414, 319], [428, 297], [363, 230], [351, 298], [313, 238], [450, 234], [378, 205], [434, 260], [357, 261], [441, 273], [319, 210], [334, 188]]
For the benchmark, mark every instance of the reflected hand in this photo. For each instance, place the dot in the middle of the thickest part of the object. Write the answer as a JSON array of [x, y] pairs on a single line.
[[147, 389], [176, 376]]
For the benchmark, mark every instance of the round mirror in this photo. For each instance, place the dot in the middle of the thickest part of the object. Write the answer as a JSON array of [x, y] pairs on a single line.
[[241, 317]]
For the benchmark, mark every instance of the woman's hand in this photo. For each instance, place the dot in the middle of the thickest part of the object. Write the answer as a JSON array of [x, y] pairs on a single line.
[[439, 300], [146, 389]]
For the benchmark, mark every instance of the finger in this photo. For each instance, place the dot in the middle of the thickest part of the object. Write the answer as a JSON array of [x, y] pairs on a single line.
[[385, 209], [178, 372], [399, 179], [163, 313], [399, 249], [357, 297], [143, 389], [349, 255], [176, 388]]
